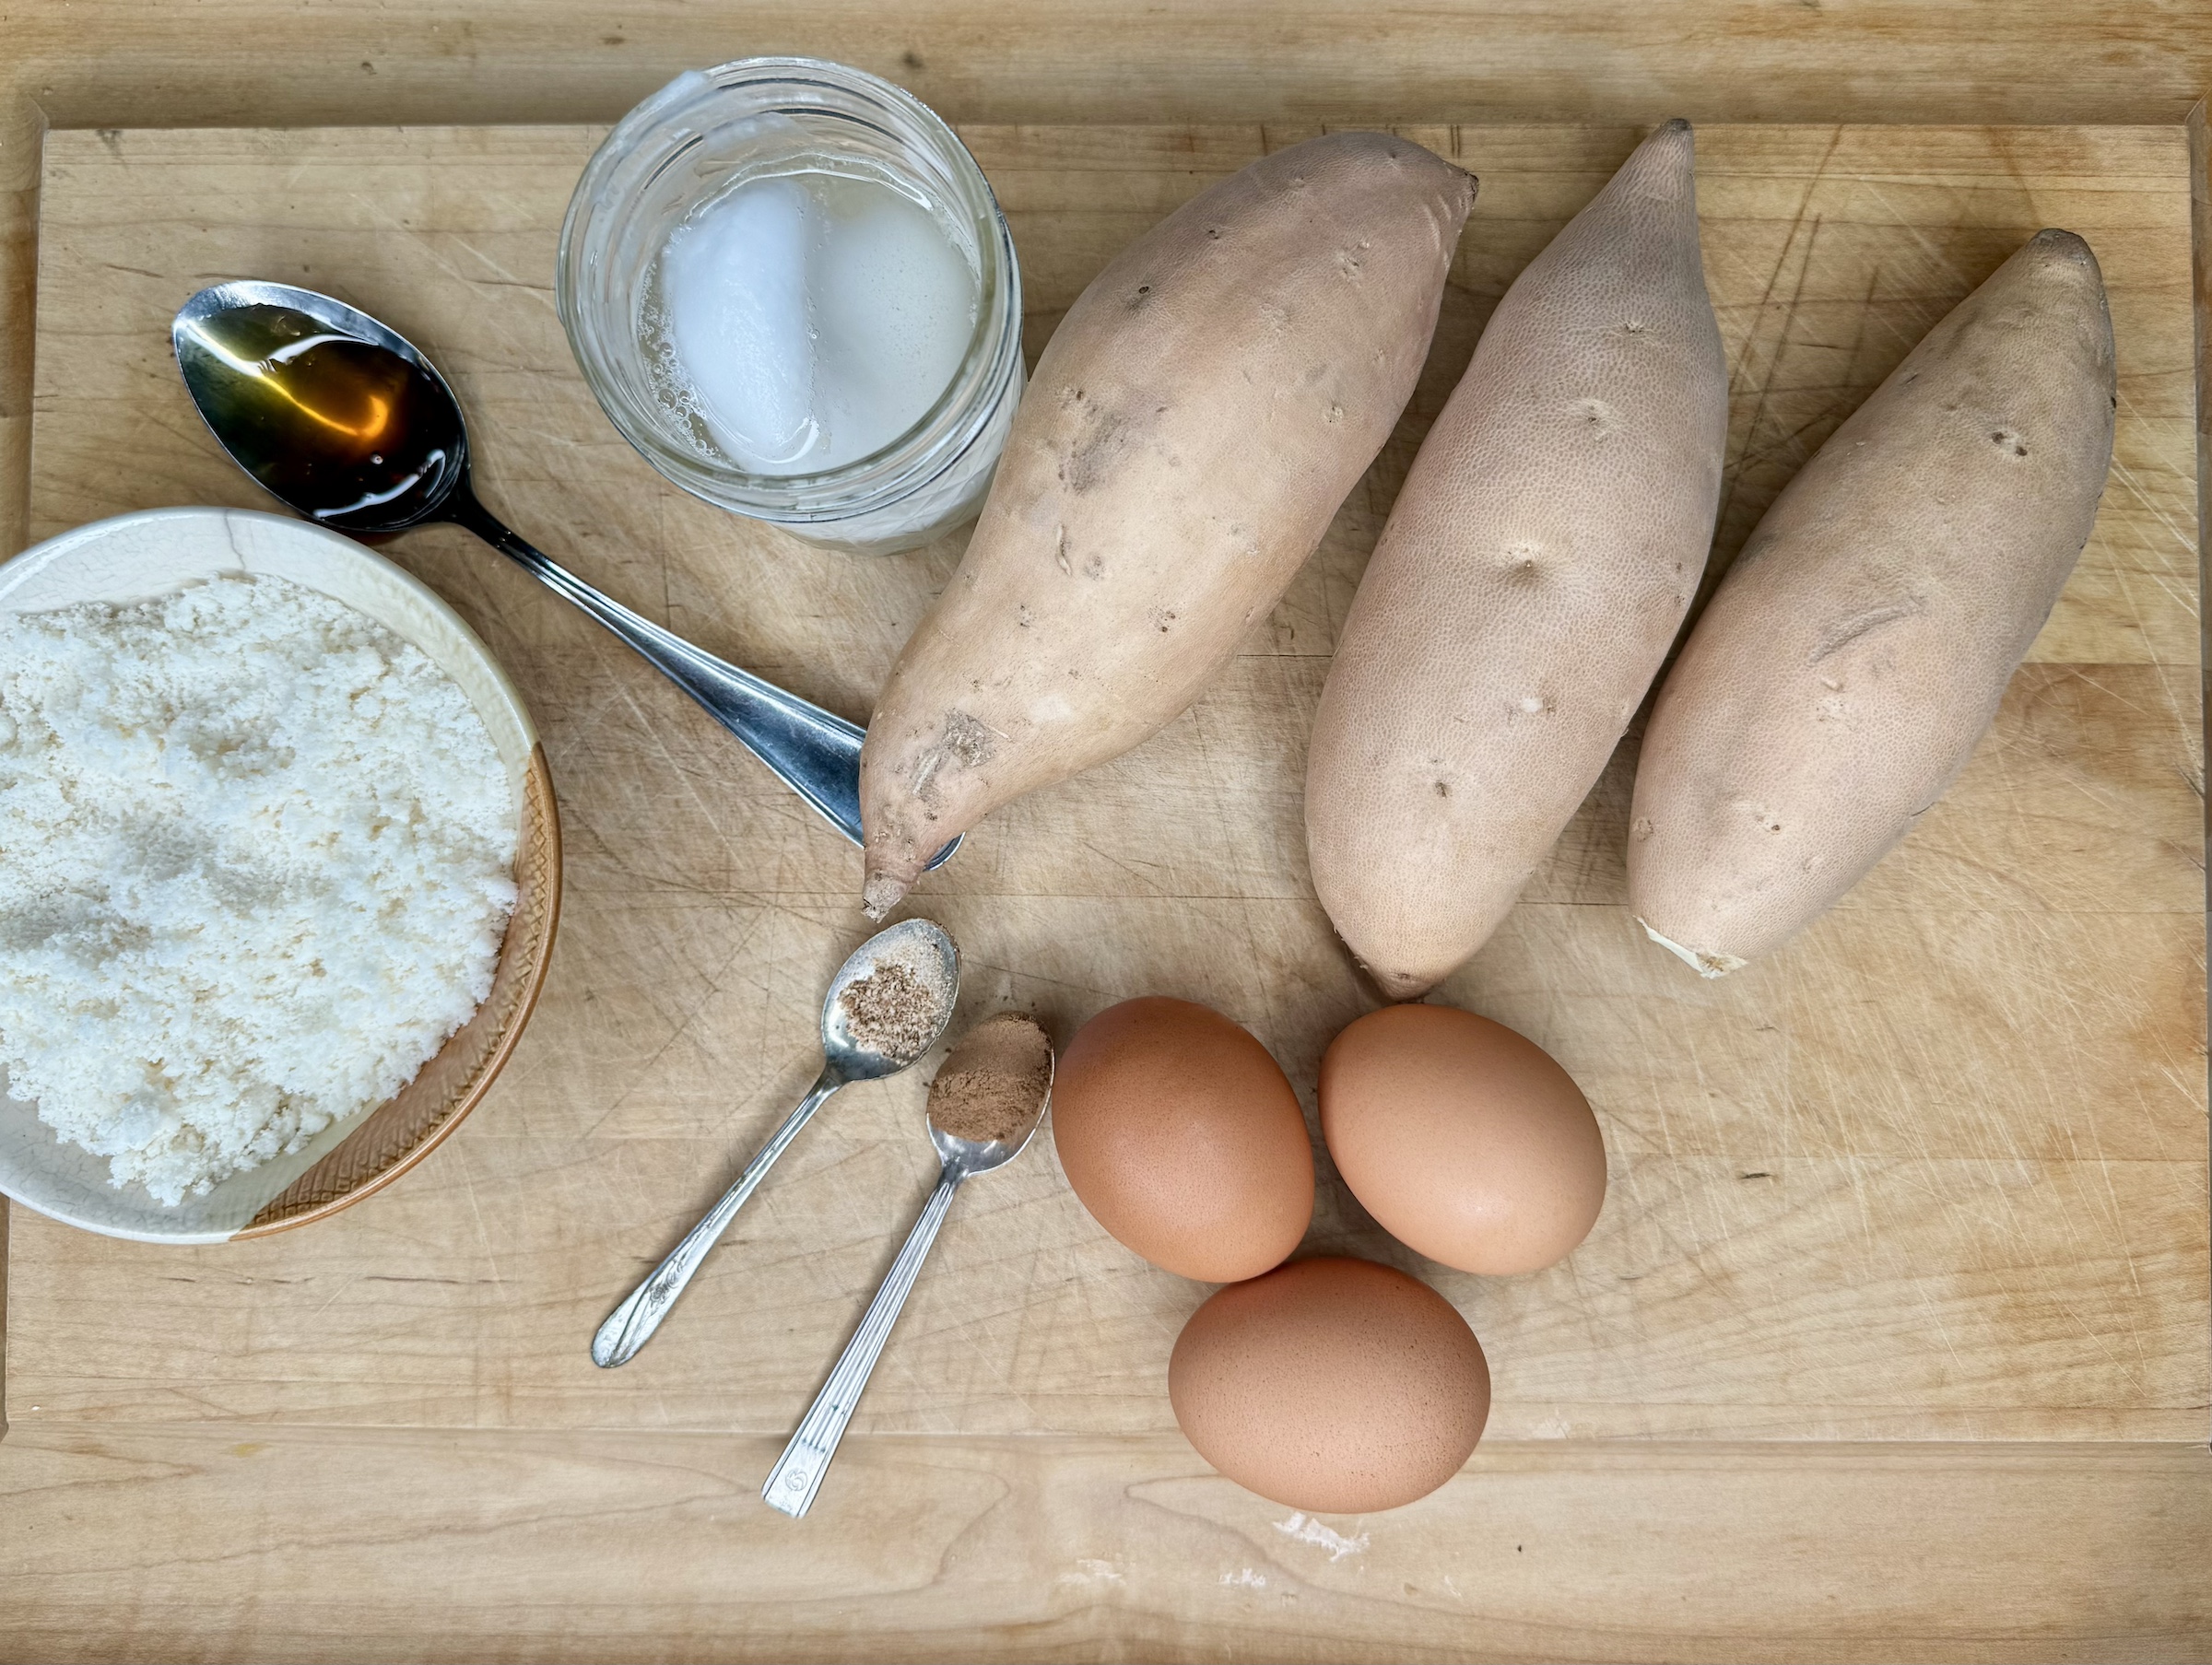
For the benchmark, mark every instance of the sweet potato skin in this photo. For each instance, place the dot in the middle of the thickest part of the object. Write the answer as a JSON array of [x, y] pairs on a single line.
[[1193, 424], [1857, 651], [1528, 585]]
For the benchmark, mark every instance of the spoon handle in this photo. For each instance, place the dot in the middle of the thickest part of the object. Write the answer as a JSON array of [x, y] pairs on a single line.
[[631, 1324], [798, 1476], [815, 752]]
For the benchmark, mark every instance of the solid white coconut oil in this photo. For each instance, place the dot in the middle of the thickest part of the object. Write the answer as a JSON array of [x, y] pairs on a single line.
[[789, 286], [807, 318]]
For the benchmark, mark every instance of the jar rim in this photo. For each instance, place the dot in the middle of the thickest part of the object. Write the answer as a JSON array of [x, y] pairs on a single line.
[[937, 440]]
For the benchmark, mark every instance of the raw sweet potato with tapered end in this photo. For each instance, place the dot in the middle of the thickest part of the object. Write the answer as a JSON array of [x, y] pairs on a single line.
[[1528, 585], [1860, 645], [1196, 419]]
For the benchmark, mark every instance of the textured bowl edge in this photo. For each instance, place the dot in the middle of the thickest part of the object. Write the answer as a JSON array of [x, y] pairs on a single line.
[[534, 982]]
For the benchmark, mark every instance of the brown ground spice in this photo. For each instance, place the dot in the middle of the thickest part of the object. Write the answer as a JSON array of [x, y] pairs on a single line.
[[993, 1084], [891, 1011]]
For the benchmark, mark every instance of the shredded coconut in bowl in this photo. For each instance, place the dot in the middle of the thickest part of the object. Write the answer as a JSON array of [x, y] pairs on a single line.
[[256, 860]]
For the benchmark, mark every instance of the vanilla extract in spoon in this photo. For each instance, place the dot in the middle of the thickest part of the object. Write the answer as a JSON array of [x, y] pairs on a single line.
[[347, 432]]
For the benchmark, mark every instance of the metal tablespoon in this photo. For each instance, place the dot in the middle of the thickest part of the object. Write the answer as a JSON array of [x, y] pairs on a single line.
[[926, 950], [342, 419], [798, 1476]]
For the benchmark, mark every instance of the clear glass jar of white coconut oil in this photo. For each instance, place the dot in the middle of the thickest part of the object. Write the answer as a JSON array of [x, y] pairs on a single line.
[[790, 287]]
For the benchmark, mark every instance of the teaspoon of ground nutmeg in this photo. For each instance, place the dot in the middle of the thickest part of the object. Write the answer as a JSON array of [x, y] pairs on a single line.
[[983, 1105], [885, 1008]]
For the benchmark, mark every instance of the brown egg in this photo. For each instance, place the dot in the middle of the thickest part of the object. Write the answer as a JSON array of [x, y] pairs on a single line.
[[1462, 1139], [1333, 1385], [1183, 1139]]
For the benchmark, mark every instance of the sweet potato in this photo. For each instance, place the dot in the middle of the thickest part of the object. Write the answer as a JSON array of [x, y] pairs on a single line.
[[1859, 647], [1531, 578], [1199, 414]]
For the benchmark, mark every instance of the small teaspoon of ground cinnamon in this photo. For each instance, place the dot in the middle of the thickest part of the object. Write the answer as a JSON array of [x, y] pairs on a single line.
[[993, 1084]]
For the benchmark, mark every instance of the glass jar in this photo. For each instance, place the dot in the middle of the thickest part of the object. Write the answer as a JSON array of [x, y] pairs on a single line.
[[701, 136]]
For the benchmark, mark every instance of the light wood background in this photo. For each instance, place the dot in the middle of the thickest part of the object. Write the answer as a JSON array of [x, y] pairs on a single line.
[[1936, 1175], [93, 64]]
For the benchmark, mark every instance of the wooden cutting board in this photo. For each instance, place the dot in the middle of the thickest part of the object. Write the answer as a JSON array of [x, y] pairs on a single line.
[[1937, 1171]]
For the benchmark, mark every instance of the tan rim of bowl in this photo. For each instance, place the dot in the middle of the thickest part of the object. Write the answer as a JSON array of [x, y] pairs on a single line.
[[407, 1127]]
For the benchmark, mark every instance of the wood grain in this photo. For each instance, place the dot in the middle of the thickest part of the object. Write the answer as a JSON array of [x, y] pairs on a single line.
[[22, 131], [236, 1543], [1938, 1172], [2200, 206], [111, 64], [290, 63], [1937, 1175]]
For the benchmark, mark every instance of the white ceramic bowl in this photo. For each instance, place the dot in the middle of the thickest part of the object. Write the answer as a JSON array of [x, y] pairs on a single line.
[[133, 556]]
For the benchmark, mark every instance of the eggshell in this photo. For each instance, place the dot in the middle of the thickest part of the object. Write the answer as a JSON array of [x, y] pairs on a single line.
[[1331, 1384], [1183, 1139], [1464, 1140]]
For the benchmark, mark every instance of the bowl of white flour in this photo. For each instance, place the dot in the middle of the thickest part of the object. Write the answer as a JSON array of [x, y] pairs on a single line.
[[280, 878]]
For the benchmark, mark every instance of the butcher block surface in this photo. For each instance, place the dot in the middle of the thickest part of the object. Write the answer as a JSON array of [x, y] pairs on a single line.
[[1930, 1181]]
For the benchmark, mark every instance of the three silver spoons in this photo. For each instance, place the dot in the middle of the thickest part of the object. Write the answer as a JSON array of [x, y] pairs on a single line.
[[343, 420]]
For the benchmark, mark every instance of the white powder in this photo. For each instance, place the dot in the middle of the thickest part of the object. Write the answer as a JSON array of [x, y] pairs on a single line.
[[256, 859], [1306, 1530]]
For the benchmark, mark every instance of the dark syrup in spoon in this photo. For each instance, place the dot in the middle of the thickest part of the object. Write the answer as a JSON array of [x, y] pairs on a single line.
[[348, 432]]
